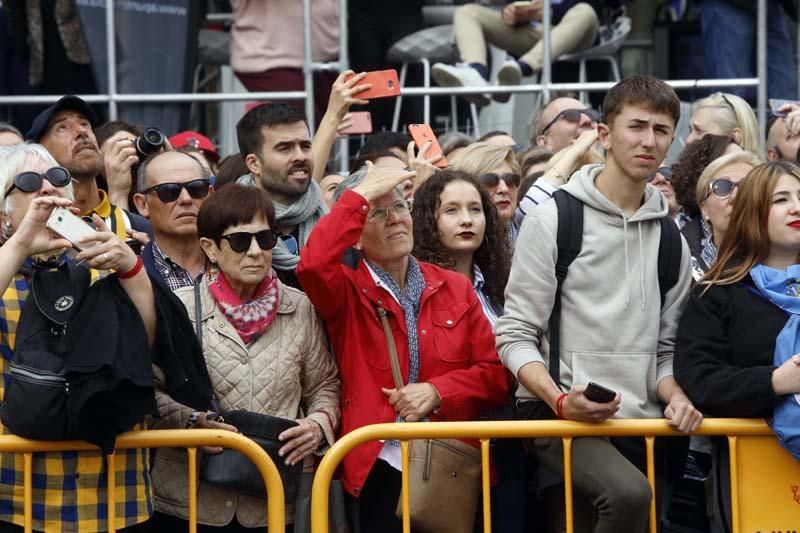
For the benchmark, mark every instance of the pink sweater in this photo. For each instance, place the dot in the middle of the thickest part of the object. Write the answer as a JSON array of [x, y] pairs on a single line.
[[268, 34]]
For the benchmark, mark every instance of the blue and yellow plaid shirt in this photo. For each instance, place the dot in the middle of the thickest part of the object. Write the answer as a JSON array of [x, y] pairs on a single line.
[[69, 488]]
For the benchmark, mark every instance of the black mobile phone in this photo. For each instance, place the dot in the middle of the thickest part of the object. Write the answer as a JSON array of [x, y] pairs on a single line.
[[135, 245], [598, 393]]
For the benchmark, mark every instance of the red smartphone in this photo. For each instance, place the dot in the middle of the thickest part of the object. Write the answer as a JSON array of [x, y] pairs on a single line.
[[361, 123], [422, 133], [384, 84]]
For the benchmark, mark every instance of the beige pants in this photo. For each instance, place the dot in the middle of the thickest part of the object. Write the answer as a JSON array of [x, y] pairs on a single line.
[[475, 25]]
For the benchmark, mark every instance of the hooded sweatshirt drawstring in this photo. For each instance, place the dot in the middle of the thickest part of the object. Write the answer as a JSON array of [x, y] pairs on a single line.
[[627, 261], [641, 269]]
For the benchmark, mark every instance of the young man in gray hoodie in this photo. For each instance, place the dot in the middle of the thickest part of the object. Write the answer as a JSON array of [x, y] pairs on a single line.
[[614, 329]]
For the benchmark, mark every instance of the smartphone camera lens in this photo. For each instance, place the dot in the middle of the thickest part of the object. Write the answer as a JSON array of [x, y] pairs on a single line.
[[390, 84], [60, 219]]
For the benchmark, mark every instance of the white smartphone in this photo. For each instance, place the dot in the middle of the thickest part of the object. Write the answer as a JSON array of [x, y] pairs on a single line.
[[70, 226]]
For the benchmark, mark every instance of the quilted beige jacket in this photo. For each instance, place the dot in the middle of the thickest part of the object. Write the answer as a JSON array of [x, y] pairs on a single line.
[[287, 372]]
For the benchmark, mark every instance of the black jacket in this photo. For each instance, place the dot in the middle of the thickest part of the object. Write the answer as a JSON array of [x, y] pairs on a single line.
[[724, 350]]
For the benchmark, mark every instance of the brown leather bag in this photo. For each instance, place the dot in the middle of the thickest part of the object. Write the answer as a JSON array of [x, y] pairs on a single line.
[[444, 474]]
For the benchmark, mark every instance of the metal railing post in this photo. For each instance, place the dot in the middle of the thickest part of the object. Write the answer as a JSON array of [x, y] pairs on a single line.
[[111, 58], [547, 74], [344, 64], [308, 70], [761, 53]]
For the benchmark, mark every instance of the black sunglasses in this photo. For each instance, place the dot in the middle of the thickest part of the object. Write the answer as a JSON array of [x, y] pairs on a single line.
[[32, 181], [240, 241], [491, 179], [574, 116], [169, 192], [664, 171]]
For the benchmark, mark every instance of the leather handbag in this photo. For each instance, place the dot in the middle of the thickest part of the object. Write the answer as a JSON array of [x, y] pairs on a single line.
[[444, 474], [234, 471]]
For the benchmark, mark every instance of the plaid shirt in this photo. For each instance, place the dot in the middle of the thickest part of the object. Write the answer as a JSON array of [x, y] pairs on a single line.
[[175, 276], [69, 488]]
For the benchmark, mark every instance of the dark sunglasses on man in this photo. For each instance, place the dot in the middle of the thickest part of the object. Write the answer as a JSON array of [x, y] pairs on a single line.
[[32, 181], [722, 187], [240, 241], [664, 171], [491, 179], [170, 192], [573, 116]]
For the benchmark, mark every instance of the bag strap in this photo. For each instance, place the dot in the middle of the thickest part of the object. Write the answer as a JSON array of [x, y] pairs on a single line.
[[569, 239], [394, 360], [198, 314], [669, 257]]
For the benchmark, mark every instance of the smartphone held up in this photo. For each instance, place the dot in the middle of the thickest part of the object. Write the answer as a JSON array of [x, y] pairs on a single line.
[[422, 133]]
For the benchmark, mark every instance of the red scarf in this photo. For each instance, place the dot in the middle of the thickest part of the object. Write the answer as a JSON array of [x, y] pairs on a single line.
[[250, 318]]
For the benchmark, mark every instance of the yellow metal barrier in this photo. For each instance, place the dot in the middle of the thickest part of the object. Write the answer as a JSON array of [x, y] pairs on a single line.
[[160, 438], [751, 443]]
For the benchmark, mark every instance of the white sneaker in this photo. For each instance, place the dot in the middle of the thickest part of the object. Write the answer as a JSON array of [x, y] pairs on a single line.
[[508, 74], [461, 75]]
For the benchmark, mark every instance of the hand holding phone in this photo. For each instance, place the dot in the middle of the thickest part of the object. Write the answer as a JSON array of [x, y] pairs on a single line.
[[384, 84], [70, 226], [422, 133], [598, 393], [360, 123]]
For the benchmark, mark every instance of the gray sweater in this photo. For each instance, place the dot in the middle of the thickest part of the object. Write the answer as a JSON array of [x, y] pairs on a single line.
[[614, 329]]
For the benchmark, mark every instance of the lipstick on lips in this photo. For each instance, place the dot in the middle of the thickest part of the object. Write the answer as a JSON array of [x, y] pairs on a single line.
[[794, 224]]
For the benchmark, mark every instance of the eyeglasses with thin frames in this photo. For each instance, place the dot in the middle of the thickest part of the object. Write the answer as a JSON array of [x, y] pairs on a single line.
[[379, 214]]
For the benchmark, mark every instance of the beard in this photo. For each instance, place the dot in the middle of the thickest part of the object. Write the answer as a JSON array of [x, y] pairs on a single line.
[[281, 183], [85, 164]]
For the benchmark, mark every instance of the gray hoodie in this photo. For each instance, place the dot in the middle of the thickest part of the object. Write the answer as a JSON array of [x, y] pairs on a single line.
[[614, 329]]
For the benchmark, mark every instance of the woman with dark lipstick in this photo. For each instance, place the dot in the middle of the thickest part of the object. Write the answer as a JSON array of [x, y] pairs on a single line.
[[739, 336]]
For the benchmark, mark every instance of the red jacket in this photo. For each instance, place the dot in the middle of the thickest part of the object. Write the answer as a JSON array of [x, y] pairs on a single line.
[[456, 343]]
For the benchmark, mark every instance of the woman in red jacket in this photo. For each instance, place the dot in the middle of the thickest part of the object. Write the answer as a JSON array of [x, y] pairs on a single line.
[[444, 342]]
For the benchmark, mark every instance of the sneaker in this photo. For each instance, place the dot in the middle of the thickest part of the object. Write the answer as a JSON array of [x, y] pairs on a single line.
[[461, 75], [509, 74]]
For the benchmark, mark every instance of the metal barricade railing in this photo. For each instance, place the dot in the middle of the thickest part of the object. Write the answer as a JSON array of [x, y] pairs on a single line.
[[566, 430], [160, 438]]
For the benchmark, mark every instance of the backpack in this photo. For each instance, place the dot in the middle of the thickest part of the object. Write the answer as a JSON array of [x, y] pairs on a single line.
[[35, 399], [569, 239]]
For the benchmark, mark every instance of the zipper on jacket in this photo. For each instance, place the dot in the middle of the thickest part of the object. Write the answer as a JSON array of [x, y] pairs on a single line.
[[38, 377]]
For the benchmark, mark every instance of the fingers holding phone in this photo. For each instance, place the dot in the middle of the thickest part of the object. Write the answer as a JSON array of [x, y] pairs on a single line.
[[345, 91], [578, 406]]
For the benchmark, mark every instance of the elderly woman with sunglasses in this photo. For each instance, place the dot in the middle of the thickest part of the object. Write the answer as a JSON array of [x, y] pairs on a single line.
[[716, 191], [265, 350], [498, 171], [444, 343]]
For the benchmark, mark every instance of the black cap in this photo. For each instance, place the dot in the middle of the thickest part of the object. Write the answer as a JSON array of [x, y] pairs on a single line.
[[42, 120]]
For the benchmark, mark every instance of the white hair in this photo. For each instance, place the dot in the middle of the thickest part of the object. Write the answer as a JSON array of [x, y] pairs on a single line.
[[14, 159]]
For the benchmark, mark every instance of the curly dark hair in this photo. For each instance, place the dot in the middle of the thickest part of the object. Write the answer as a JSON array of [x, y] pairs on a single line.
[[687, 169], [493, 256]]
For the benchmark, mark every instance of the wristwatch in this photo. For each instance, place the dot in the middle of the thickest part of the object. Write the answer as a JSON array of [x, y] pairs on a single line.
[[193, 418]]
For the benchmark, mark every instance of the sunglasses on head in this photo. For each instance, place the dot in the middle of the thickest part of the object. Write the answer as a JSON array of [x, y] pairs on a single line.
[[169, 192], [664, 171], [32, 181], [573, 116], [240, 241], [491, 179], [722, 187]]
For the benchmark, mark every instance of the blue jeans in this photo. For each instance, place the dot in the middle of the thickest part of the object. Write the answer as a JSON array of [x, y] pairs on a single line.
[[729, 33]]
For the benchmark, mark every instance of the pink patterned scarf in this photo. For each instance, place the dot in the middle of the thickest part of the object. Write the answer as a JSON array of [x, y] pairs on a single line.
[[250, 318]]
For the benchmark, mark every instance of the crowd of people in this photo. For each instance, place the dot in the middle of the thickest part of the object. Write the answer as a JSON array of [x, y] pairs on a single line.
[[504, 284]]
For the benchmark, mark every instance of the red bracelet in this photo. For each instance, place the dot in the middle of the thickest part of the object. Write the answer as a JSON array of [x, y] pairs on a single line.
[[133, 271], [560, 405]]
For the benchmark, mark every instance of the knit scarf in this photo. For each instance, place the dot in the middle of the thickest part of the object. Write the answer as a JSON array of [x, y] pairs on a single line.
[[251, 318], [782, 289], [303, 213]]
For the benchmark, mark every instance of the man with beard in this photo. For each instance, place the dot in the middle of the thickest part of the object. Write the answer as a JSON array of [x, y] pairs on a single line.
[[275, 143], [171, 188], [783, 134], [66, 130]]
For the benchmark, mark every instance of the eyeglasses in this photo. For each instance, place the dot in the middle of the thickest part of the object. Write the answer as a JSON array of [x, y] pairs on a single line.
[[722, 187], [240, 241], [379, 214], [290, 242], [169, 192], [491, 179], [32, 181], [573, 116], [664, 171]]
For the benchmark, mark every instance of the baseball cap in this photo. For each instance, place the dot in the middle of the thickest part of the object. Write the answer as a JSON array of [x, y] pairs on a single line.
[[69, 102], [195, 140]]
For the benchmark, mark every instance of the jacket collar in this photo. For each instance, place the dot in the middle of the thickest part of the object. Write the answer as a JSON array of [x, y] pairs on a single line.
[[288, 301], [365, 282]]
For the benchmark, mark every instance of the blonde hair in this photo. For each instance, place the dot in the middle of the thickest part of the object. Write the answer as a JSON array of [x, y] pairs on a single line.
[[481, 158], [716, 166], [732, 112]]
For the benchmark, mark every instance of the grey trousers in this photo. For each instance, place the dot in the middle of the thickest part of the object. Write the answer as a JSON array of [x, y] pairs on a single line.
[[617, 493]]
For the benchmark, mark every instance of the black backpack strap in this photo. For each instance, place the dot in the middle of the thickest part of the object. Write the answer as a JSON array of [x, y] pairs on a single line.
[[569, 239], [669, 256]]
